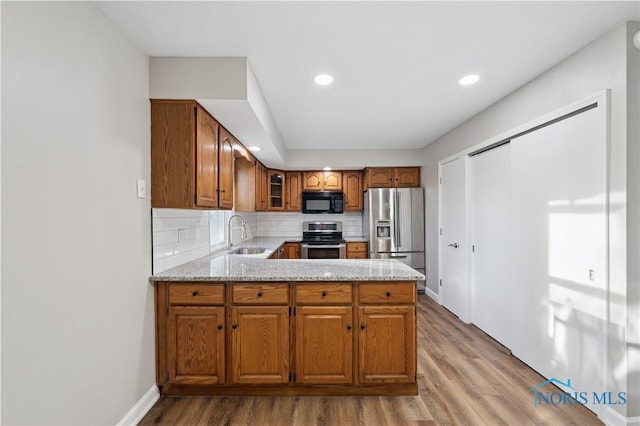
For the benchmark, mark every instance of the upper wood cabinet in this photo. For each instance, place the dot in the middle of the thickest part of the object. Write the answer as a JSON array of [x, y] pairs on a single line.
[[185, 163], [392, 177], [261, 187], [245, 185], [353, 199], [293, 191], [276, 189], [225, 169], [322, 181]]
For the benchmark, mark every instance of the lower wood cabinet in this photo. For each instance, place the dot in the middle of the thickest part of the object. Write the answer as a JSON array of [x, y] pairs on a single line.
[[324, 342], [196, 345], [260, 344], [387, 341], [279, 338], [291, 251]]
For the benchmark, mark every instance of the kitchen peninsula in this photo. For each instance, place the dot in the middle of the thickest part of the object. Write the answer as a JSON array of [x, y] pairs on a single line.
[[247, 325]]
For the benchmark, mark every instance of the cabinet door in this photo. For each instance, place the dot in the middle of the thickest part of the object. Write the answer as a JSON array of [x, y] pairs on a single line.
[[261, 187], [324, 342], [196, 345], [294, 191], [312, 181], [276, 188], [407, 177], [353, 199], [291, 251], [387, 337], [260, 344], [332, 181], [380, 177], [225, 172], [206, 159]]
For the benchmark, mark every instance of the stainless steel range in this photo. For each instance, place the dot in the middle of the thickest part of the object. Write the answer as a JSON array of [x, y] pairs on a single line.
[[323, 240]]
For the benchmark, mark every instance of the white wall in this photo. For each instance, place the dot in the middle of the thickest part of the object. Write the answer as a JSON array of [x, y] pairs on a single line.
[[77, 307], [601, 64]]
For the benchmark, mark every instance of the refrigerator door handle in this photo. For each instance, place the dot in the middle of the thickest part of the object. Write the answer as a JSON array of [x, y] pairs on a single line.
[[398, 223]]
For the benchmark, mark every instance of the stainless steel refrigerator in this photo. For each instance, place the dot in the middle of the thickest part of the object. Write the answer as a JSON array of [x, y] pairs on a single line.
[[393, 223]]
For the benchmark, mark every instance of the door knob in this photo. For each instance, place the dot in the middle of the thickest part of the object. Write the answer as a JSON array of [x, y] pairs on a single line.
[[454, 245]]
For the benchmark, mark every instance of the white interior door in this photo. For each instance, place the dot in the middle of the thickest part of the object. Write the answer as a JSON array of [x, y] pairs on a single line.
[[559, 237], [453, 281], [490, 222]]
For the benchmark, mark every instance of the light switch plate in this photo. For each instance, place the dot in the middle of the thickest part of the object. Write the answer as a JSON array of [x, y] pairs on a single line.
[[142, 188]]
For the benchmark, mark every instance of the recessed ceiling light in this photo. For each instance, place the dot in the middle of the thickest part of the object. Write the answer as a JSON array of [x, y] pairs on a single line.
[[323, 79], [254, 148], [469, 79], [326, 168]]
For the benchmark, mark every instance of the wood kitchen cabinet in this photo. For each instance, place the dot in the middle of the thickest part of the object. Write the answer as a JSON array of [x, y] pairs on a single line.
[[322, 181], [291, 251], [225, 169], [278, 338], [357, 250], [293, 191], [186, 166], [387, 333], [392, 177], [353, 198], [195, 334], [260, 333], [261, 187], [324, 333], [276, 190], [324, 341]]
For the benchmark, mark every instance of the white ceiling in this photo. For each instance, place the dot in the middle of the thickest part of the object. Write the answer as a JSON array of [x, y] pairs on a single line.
[[395, 64]]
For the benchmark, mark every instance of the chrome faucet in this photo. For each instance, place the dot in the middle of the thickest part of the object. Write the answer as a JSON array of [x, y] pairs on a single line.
[[243, 235]]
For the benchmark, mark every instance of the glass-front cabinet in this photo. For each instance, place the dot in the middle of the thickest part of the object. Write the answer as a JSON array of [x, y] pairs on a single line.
[[276, 189]]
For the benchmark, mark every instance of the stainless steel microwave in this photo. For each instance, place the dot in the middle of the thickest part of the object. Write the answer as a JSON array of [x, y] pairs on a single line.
[[322, 202]]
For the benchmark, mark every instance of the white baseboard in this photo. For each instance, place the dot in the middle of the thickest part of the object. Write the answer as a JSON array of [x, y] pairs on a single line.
[[144, 404], [611, 417], [435, 296]]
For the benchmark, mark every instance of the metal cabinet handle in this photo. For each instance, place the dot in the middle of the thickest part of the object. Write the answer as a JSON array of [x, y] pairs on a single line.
[[259, 294], [219, 326], [454, 245], [388, 294], [195, 292], [361, 326], [324, 293], [234, 326], [349, 327]]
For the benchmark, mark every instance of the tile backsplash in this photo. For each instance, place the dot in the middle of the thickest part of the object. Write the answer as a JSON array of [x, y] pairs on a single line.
[[180, 236], [290, 224]]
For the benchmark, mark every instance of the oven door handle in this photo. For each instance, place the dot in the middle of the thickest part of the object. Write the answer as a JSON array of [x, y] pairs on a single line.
[[323, 246]]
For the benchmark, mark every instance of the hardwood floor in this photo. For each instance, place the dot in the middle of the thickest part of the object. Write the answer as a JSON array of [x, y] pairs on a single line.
[[464, 377]]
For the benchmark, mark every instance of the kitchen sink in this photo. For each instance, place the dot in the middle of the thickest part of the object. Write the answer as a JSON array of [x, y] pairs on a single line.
[[248, 250]]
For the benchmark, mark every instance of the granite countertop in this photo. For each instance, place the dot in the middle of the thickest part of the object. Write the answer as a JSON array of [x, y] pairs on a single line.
[[227, 267]]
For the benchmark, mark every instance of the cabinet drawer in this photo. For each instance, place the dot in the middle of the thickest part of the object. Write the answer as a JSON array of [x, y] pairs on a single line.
[[196, 294], [325, 293], [356, 255], [260, 294], [357, 247], [391, 292]]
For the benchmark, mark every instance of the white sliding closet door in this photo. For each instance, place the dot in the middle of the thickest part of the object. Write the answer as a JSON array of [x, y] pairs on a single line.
[[559, 249], [491, 284]]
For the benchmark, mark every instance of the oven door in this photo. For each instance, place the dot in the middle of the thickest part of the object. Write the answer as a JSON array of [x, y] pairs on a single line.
[[324, 251]]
